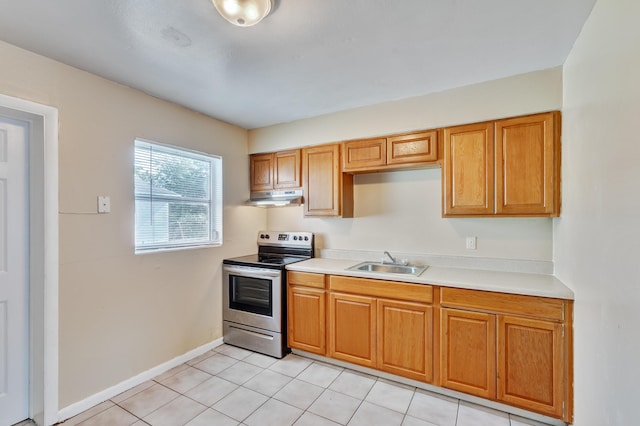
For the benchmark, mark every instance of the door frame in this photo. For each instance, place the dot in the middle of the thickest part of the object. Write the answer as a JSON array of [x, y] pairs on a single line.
[[43, 254]]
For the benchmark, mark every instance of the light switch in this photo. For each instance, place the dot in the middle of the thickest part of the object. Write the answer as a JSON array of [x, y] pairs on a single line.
[[104, 204]]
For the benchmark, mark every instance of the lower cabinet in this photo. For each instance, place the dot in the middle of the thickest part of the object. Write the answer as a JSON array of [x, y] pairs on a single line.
[[306, 311], [530, 364], [509, 348], [468, 352], [405, 339], [383, 325], [352, 328]]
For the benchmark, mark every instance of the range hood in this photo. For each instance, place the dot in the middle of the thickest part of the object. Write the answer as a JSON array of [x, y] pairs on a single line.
[[292, 197]]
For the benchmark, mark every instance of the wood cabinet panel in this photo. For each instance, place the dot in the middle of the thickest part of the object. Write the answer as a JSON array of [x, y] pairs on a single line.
[[405, 339], [328, 192], [275, 170], [287, 169], [468, 352], [413, 148], [363, 154], [530, 364], [541, 307], [381, 288], [526, 165], [394, 152], [352, 329], [306, 279], [468, 186], [261, 166], [306, 319]]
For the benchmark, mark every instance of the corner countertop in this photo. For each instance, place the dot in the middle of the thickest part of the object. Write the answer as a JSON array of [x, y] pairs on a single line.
[[475, 279]]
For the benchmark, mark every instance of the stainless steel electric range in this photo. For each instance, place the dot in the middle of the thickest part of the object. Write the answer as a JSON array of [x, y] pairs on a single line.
[[255, 292]]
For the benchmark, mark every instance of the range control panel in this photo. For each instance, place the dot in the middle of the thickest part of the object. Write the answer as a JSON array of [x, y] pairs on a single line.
[[285, 239]]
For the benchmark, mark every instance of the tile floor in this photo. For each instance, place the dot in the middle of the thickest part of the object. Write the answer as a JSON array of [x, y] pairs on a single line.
[[229, 386]]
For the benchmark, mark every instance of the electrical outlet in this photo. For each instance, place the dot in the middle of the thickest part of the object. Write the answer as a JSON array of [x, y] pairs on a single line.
[[104, 204], [472, 243]]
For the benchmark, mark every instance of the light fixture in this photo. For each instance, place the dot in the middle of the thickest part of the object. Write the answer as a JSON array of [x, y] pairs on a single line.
[[243, 13]]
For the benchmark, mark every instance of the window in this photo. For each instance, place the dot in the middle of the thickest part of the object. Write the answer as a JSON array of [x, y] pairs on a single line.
[[178, 198]]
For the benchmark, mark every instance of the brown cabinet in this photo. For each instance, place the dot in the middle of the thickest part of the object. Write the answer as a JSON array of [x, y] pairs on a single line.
[[275, 170], [527, 165], [405, 339], [261, 166], [521, 338], [507, 167], [530, 364], [468, 352], [306, 310], [509, 348], [352, 328], [467, 170], [392, 152], [327, 191], [383, 325]]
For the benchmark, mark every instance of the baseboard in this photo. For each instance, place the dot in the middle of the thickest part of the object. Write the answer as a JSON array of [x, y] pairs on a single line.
[[95, 399]]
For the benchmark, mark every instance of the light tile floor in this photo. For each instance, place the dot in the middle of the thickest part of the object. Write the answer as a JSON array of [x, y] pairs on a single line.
[[229, 386]]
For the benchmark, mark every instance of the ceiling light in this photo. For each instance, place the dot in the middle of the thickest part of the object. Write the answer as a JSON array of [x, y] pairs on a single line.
[[243, 13]]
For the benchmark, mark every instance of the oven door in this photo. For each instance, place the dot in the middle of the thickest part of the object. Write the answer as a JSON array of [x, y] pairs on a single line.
[[252, 296]]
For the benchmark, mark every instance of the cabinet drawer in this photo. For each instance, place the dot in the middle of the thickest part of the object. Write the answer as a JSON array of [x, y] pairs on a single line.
[[305, 279], [540, 307], [379, 288]]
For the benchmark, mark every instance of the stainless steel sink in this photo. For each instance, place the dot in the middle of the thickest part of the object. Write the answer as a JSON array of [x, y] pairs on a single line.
[[388, 268]]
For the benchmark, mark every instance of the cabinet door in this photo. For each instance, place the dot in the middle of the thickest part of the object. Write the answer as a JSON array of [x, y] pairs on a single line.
[[530, 367], [467, 170], [352, 328], [405, 333], [468, 352], [412, 148], [286, 169], [306, 319], [261, 172], [327, 191], [364, 154], [526, 165]]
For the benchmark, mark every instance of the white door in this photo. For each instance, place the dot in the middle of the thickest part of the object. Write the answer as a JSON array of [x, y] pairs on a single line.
[[14, 270]]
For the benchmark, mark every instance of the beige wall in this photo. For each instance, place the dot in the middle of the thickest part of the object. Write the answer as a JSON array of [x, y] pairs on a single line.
[[121, 314], [401, 211], [596, 239]]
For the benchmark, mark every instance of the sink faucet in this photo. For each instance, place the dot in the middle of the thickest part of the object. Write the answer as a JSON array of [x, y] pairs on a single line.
[[390, 257]]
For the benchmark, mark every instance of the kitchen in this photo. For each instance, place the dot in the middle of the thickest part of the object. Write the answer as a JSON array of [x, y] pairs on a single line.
[[104, 306]]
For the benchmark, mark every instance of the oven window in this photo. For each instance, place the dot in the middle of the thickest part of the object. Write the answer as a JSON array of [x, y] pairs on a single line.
[[250, 294]]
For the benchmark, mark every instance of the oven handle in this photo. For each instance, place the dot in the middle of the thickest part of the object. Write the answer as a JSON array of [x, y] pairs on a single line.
[[252, 271]]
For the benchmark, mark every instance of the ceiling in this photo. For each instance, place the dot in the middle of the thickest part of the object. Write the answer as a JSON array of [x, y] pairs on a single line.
[[309, 57]]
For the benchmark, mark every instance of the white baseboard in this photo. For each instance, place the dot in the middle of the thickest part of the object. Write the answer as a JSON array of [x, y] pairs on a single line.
[[95, 399]]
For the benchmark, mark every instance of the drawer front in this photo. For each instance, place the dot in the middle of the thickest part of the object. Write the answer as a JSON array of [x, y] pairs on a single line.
[[305, 279], [379, 288], [539, 307]]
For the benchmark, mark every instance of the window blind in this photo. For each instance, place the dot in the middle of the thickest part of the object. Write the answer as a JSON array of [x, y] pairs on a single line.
[[178, 197]]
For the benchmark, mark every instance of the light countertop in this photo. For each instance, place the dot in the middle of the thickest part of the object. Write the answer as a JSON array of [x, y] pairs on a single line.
[[475, 279]]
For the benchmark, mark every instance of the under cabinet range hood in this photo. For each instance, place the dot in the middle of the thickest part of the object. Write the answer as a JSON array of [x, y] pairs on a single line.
[[292, 197]]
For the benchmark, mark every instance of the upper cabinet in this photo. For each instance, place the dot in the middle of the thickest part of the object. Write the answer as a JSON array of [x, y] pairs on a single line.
[[327, 191], [392, 152], [507, 167], [467, 170], [527, 165], [261, 172], [275, 170]]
